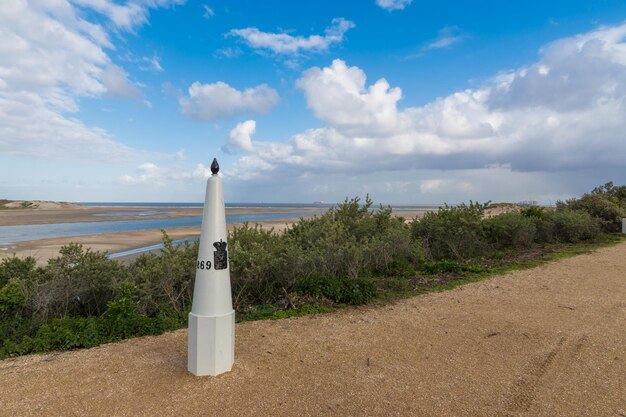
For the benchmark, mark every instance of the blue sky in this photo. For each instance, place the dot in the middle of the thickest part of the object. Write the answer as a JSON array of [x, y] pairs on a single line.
[[409, 101]]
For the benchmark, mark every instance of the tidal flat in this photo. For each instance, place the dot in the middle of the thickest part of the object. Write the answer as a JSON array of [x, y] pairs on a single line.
[[119, 240]]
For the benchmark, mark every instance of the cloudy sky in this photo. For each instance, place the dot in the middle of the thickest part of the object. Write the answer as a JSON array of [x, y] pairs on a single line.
[[407, 100]]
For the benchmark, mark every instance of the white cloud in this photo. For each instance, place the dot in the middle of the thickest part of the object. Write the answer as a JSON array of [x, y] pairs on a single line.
[[283, 43], [50, 56], [208, 12], [151, 63], [151, 174], [240, 137], [393, 4], [338, 96], [146, 173], [126, 16], [229, 52], [565, 112], [448, 36], [439, 185], [219, 100], [53, 135], [115, 81]]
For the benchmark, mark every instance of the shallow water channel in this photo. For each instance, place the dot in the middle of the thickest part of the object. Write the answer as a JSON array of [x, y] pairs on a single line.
[[13, 234]]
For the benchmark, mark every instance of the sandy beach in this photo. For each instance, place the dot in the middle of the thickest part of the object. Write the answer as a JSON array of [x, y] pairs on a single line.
[[44, 249], [550, 341]]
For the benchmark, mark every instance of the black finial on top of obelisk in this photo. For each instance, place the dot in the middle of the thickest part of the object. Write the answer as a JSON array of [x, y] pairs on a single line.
[[215, 168]]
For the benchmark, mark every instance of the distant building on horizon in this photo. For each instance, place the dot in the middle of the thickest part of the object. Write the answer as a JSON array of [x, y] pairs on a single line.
[[528, 203]]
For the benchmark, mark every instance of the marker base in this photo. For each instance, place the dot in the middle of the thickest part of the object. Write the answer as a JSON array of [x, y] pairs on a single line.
[[211, 348]]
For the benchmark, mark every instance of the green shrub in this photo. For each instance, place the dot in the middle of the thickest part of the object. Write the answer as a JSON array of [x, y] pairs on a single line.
[[262, 264], [12, 298], [359, 221], [533, 212], [392, 252], [447, 266], [14, 267], [509, 230], [601, 206], [165, 280], [614, 192], [545, 229], [79, 282], [349, 241], [66, 333], [400, 267], [573, 225], [397, 284], [122, 318], [352, 291], [452, 232]]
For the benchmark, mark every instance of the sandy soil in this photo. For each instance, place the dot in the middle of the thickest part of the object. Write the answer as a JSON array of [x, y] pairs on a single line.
[[544, 342]]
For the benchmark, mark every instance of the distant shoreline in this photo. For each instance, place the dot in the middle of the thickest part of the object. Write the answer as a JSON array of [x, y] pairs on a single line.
[[115, 241], [44, 249], [395, 207]]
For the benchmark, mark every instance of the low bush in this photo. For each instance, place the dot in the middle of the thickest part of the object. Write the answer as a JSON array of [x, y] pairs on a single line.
[[572, 226], [453, 232], [545, 229], [347, 242], [165, 281], [352, 291], [12, 298], [78, 282], [533, 212], [120, 321], [608, 212], [616, 193], [509, 230], [23, 269], [606, 203], [263, 264], [446, 266]]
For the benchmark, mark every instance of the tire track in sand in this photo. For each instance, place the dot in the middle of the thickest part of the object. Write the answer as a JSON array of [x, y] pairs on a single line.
[[522, 393]]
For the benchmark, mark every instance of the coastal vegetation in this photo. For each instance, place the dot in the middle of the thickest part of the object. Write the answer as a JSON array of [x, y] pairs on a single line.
[[353, 254], [12, 205], [35, 204]]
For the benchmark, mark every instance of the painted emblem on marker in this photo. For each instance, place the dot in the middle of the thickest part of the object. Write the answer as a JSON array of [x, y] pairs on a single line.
[[220, 256]]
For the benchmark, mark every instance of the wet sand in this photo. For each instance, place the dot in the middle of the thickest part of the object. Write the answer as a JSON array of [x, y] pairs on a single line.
[[550, 341]]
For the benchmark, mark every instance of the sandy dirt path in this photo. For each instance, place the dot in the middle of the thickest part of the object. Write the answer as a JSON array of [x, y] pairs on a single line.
[[544, 342]]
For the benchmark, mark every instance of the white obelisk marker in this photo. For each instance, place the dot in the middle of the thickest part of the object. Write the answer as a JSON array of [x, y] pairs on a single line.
[[211, 349]]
